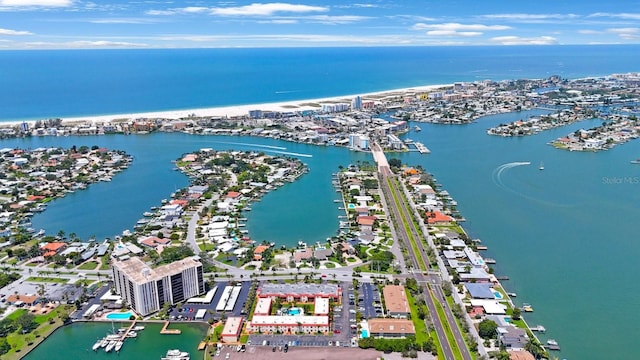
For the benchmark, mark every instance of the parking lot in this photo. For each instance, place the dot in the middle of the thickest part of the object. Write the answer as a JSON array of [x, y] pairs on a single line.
[[368, 298], [267, 353], [188, 311]]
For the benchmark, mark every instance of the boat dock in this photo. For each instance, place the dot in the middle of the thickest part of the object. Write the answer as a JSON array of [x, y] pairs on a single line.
[[166, 331], [538, 328], [419, 147]]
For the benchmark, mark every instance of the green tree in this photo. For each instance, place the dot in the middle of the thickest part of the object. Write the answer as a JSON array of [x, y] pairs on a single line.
[[487, 329], [517, 313], [26, 322], [4, 346]]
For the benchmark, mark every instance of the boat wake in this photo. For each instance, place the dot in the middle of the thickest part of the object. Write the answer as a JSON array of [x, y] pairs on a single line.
[[498, 174], [251, 144]]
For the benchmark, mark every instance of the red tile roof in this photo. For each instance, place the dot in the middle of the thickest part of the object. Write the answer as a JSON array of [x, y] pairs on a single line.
[[435, 217]]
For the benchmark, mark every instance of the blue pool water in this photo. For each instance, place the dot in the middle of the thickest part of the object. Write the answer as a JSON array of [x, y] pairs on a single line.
[[364, 333], [497, 295], [119, 316], [351, 206], [294, 311]]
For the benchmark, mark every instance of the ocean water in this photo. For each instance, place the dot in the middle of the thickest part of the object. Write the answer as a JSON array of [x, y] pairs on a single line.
[[49, 84], [565, 236]]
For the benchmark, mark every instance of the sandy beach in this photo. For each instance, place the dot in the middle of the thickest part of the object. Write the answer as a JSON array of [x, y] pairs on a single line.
[[238, 110]]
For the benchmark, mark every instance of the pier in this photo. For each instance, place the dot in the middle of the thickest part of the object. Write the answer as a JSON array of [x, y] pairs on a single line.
[[166, 331], [419, 147]]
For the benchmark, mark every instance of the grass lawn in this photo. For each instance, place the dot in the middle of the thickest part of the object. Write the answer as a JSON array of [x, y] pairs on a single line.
[[106, 263], [89, 265], [421, 328], [330, 265], [47, 324], [47, 279]]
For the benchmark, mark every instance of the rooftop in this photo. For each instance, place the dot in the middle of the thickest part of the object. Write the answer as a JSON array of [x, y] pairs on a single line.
[[395, 299], [394, 326], [140, 272]]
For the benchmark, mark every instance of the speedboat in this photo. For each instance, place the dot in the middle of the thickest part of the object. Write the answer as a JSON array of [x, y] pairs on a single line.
[[636, 161], [119, 345]]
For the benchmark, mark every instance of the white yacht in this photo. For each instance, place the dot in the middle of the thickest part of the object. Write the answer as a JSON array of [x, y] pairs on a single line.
[[175, 354]]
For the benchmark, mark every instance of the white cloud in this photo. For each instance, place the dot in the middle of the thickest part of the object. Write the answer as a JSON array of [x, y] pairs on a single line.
[[589, 32], [44, 3], [161, 12], [630, 33], [529, 17], [452, 33], [459, 27], [517, 40], [279, 21], [332, 20], [195, 9], [14, 32], [122, 21], [269, 9], [627, 16], [84, 44]]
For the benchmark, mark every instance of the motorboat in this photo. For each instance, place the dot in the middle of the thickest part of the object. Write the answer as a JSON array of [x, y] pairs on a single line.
[[175, 354]]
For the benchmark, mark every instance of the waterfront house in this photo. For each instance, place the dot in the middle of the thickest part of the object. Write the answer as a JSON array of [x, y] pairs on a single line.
[[323, 253], [438, 218], [512, 338], [52, 248]]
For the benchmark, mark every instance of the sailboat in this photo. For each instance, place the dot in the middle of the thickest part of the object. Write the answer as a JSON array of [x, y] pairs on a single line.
[[541, 166]]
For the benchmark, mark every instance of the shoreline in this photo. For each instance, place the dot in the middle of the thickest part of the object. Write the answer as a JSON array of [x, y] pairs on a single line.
[[231, 110]]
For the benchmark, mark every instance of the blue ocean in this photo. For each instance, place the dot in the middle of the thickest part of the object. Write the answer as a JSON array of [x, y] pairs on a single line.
[[50, 84], [566, 236]]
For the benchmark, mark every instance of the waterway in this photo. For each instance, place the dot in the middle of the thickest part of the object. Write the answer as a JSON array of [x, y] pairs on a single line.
[[565, 235], [76, 340]]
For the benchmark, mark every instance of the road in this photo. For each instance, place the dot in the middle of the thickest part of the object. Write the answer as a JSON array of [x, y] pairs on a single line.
[[402, 213]]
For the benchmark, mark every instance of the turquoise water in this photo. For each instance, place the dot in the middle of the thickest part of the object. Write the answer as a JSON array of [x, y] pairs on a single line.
[[97, 82], [557, 233], [364, 333], [497, 295], [75, 341], [294, 311], [119, 316], [351, 206]]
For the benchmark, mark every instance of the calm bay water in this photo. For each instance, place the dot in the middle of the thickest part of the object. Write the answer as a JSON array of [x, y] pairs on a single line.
[[565, 235], [149, 345]]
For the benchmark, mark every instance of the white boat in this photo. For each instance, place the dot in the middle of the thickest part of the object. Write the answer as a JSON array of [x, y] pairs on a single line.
[[541, 166], [132, 334], [96, 346], [118, 345], [636, 161], [111, 345], [138, 328], [552, 342], [175, 354], [104, 342]]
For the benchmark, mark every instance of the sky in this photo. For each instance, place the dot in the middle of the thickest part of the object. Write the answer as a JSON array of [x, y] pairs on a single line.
[[78, 24]]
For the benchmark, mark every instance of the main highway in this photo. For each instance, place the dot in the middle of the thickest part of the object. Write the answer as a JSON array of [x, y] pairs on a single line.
[[411, 236]]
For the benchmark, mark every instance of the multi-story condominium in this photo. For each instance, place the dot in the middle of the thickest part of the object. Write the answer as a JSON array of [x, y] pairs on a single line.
[[147, 290]]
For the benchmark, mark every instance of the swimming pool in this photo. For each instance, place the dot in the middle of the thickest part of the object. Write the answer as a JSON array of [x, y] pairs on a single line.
[[294, 311], [364, 333], [351, 206], [119, 316], [497, 295]]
